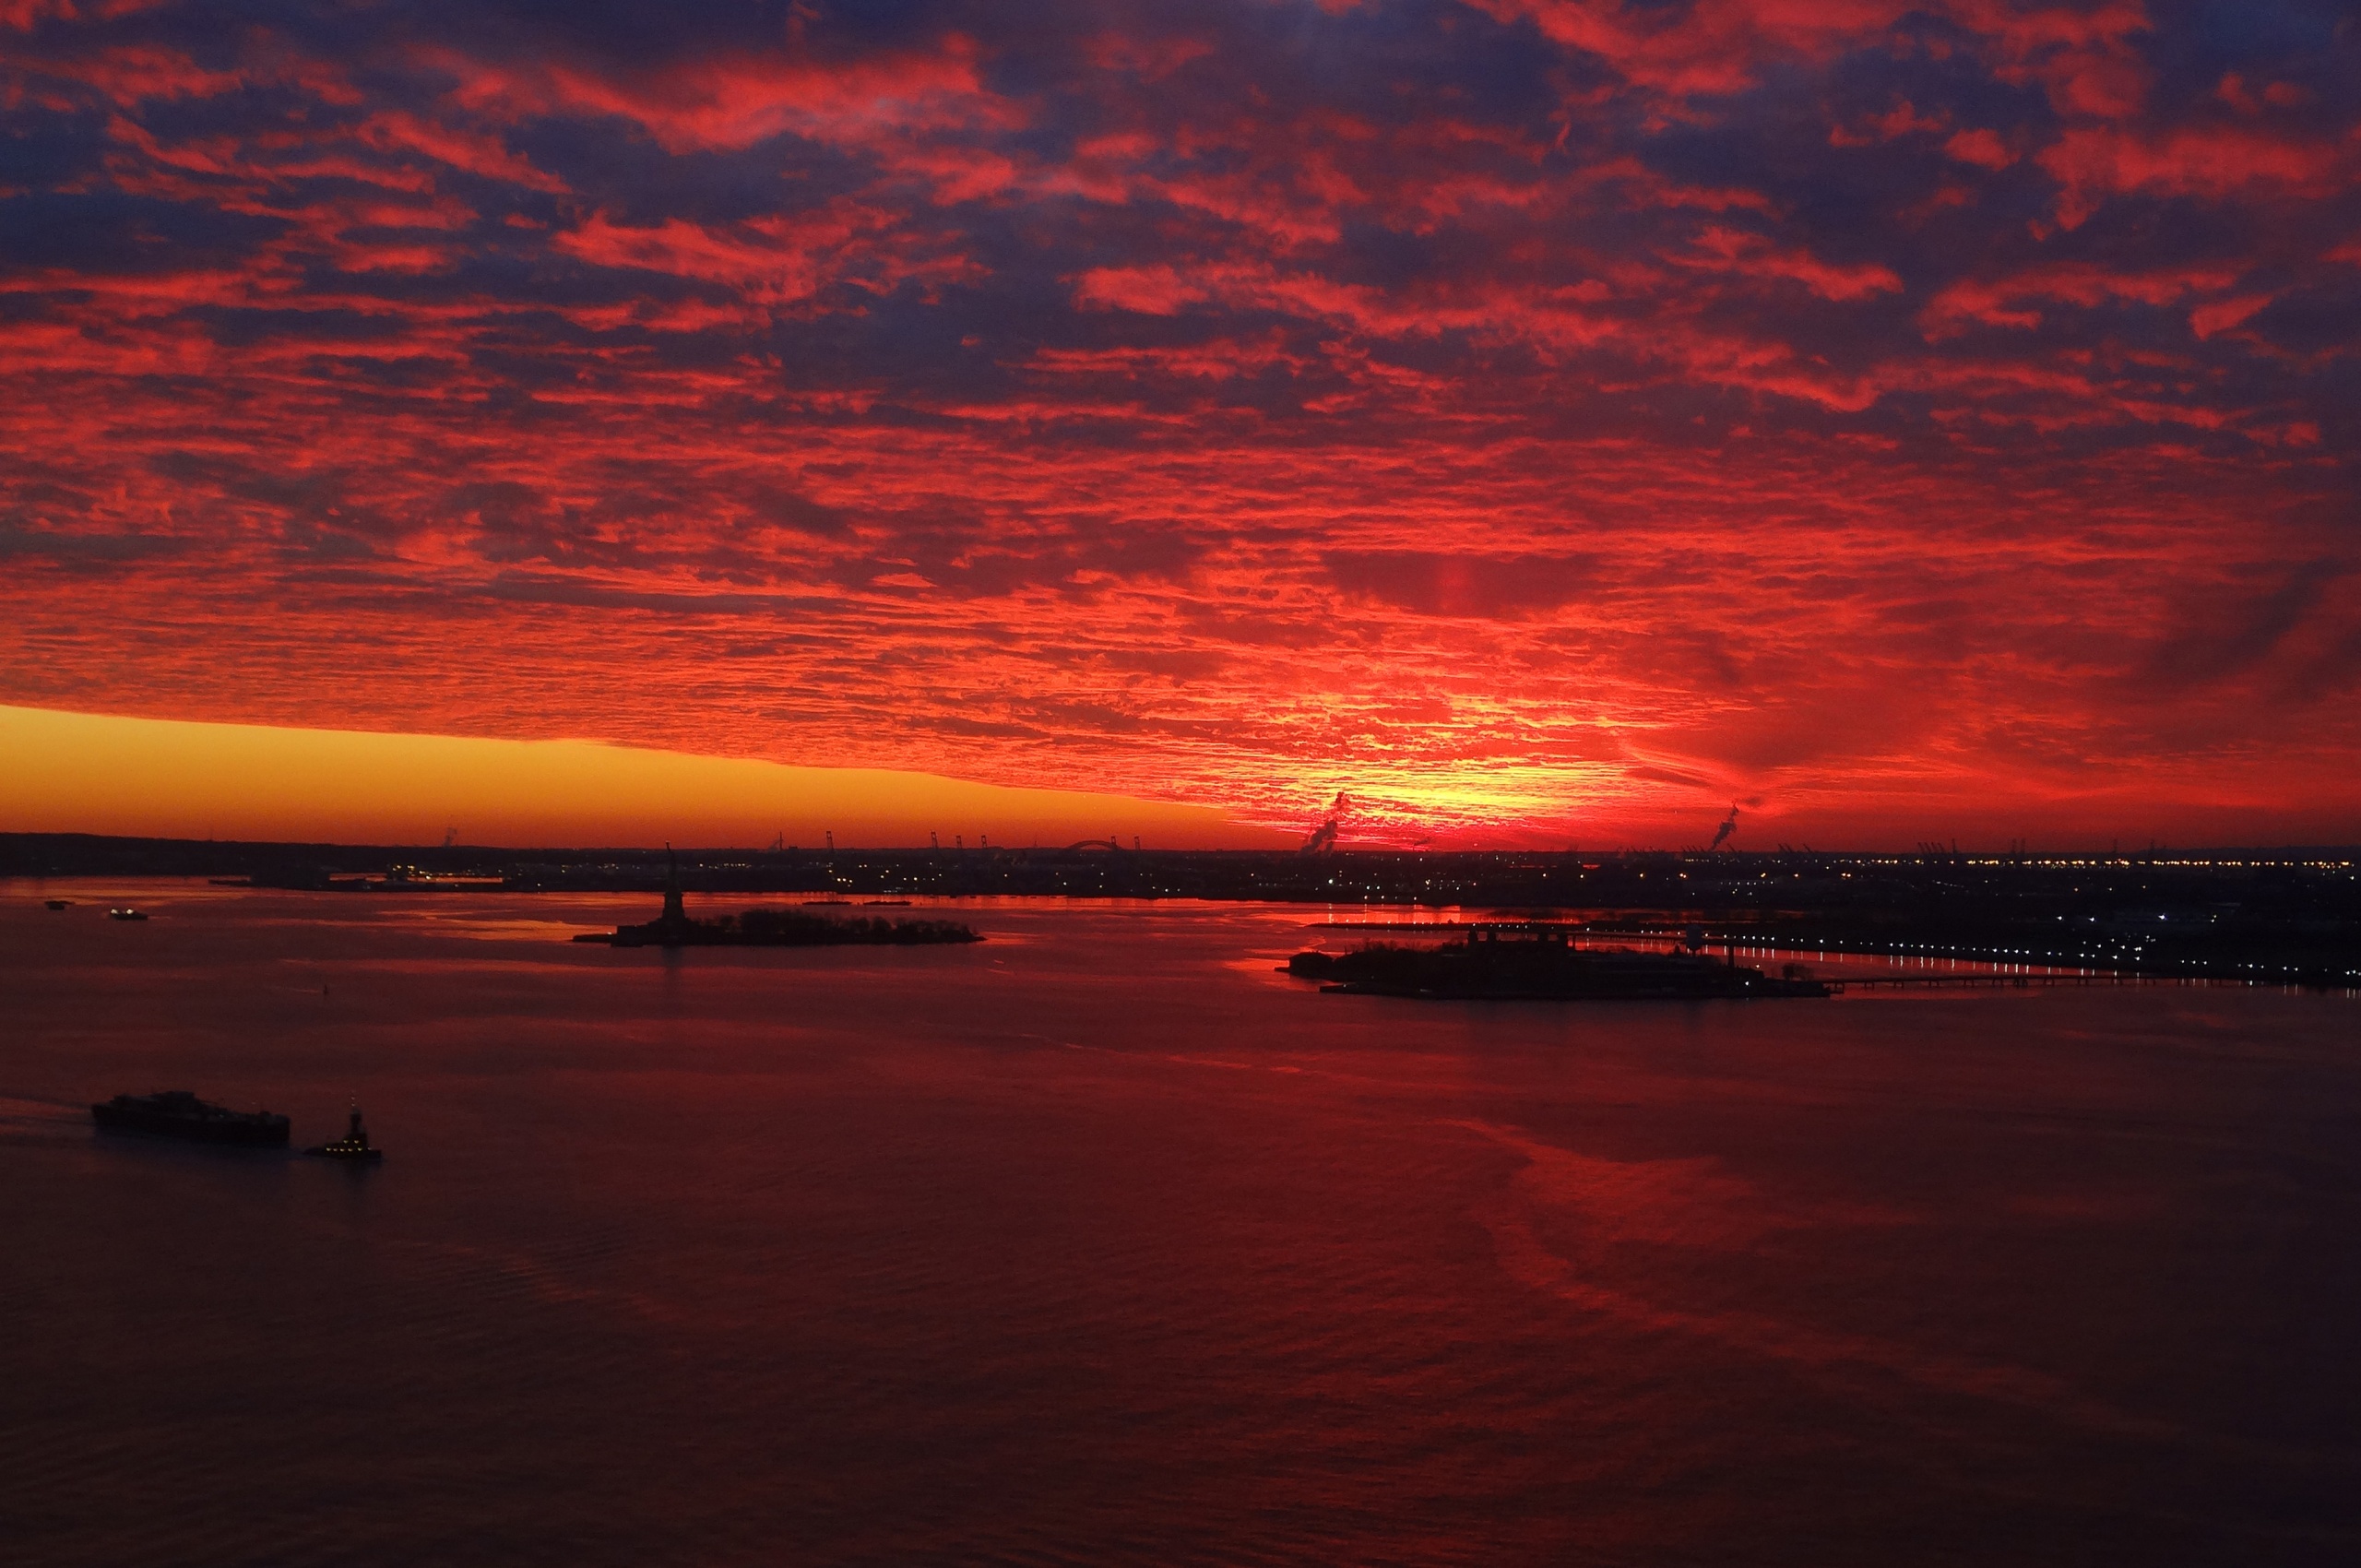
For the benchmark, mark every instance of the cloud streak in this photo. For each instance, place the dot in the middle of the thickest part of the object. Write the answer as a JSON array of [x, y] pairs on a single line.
[[1533, 416]]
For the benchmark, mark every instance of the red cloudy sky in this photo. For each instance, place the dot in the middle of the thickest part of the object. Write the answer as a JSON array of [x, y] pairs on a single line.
[[1543, 419]]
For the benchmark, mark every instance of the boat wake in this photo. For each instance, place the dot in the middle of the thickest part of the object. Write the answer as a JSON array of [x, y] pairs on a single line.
[[42, 1120]]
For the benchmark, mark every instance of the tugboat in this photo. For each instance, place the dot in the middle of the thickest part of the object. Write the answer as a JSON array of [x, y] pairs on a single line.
[[60, 903], [177, 1113], [354, 1145], [126, 914]]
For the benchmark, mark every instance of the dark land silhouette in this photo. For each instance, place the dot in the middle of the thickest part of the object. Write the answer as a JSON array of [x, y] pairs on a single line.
[[785, 928], [2290, 915], [1523, 960]]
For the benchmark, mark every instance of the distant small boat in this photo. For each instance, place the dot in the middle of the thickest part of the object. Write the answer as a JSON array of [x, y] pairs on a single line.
[[176, 1113], [61, 903], [354, 1145], [126, 914]]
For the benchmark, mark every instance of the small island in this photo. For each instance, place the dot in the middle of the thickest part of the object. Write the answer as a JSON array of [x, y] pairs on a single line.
[[775, 928], [1510, 961]]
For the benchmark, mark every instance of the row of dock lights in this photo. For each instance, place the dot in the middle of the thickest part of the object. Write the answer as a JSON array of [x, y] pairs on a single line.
[[1996, 955]]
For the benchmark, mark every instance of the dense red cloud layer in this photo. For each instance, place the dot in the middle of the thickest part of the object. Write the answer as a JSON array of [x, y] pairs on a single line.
[[1535, 417]]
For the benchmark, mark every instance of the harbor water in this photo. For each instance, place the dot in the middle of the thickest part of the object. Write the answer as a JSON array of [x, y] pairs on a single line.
[[1102, 1242]]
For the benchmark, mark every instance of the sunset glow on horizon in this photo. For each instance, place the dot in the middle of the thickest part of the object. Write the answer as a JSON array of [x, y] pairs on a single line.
[[156, 777], [1544, 421]]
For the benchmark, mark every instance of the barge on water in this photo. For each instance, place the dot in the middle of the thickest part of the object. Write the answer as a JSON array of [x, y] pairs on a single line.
[[1530, 961], [177, 1113]]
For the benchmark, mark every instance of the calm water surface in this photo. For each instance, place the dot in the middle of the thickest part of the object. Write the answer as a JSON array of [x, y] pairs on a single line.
[[1102, 1243]]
